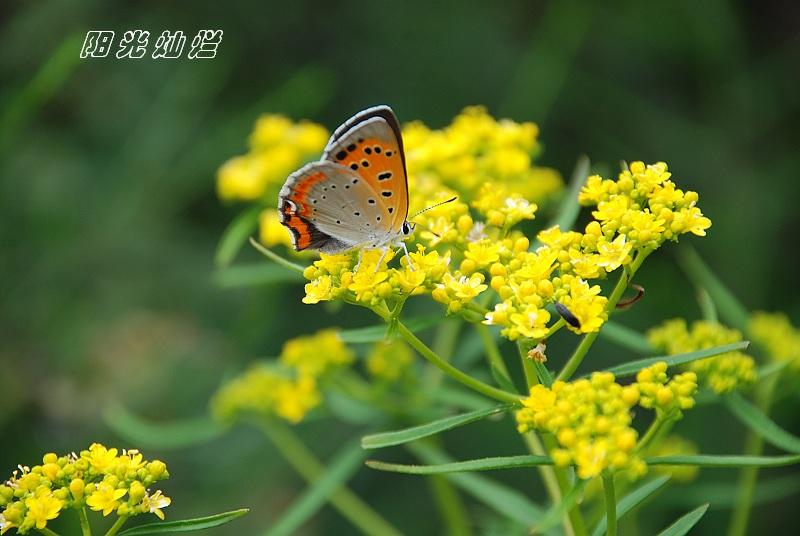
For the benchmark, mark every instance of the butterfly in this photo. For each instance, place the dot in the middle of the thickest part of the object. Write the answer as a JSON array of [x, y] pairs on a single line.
[[356, 196]]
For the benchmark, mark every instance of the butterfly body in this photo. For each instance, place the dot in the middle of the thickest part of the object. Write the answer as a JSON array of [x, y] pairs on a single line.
[[356, 196]]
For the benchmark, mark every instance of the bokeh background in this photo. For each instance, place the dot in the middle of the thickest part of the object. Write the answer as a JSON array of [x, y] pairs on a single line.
[[109, 218]]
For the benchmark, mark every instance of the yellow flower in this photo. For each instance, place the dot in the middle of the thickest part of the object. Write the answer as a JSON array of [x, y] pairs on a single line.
[[42, 508], [586, 305], [105, 498], [366, 280], [155, 502], [613, 254], [669, 396], [464, 288], [101, 458], [315, 355], [389, 361], [320, 289], [483, 253], [531, 322]]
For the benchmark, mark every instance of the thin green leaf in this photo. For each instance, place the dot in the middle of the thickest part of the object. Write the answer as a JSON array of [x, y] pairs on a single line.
[[172, 435], [378, 333], [501, 498], [543, 373], [730, 309], [274, 257], [568, 210], [632, 500], [626, 337], [253, 274], [754, 418], [340, 469], [556, 513], [235, 235], [481, 464], [398, 437], [632, 367], [684, 524], [711, 460], [184, 525], [725, 495]]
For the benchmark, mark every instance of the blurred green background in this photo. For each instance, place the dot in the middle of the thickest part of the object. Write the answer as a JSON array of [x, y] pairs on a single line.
[[110, 219]]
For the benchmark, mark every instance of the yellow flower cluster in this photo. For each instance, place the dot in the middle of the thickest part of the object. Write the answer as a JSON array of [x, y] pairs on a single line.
[[278, 146], [489, 254], [590, 419], [389, 361], [288, 389], [776, 334], [668, 396], [473, 150], [105, 480], [560, 271], [489, 164], [369, 283], [644, 206], [722, 373]]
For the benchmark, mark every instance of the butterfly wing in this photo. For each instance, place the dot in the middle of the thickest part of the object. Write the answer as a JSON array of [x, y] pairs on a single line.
[[329, 207], [371, 145]]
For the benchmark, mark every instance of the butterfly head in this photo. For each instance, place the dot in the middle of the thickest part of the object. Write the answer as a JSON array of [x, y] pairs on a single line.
[[407, 228]]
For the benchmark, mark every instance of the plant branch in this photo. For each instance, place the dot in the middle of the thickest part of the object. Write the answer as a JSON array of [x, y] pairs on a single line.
[[583, 347], [453, 372], [611, 504]]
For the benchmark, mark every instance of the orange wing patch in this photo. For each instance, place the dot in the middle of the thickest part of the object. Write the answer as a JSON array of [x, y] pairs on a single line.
[[381, 165], [295, 212]]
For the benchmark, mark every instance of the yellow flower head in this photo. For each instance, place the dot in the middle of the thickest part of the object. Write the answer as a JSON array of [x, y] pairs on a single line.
[[721, 373], [42, 508], [590, 419], [105, 498], [315, 355], [776, 334], [389, 361]]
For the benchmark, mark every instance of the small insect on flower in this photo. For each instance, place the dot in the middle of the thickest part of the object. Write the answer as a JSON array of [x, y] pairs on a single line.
[[568, 317]]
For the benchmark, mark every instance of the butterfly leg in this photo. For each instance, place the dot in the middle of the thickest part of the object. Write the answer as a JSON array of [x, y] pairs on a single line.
[[358, 264], [384, 250], [408, 257]]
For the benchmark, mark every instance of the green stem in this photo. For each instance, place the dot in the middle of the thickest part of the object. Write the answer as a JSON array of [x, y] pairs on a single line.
[[454, 515], [274, 257], [492, 351], [86, 529], [749, 475], [310, 468], [116, 526], [583, 347], [611, 504], [556, 479], [658, 428], [450, 370], [548, 474], [47, 532]]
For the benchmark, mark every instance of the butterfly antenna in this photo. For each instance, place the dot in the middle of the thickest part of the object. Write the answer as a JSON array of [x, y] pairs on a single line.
[[434, 206]]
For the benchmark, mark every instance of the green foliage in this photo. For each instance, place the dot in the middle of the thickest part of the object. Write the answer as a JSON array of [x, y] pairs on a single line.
[[185, 525]]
